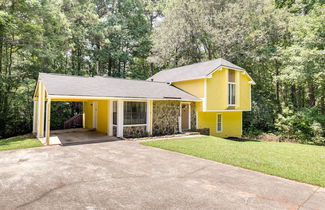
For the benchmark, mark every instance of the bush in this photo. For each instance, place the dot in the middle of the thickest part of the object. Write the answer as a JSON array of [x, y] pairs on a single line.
[[305, 125]]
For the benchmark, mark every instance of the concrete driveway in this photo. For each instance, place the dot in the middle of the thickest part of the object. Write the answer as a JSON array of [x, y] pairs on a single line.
[[126, 175]]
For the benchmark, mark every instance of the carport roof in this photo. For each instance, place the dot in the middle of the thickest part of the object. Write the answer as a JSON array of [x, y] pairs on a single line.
[[58, 85]]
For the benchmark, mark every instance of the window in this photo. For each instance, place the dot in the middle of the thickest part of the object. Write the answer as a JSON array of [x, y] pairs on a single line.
[[219, 123], [231, 93], [114, 112], [135, 113]]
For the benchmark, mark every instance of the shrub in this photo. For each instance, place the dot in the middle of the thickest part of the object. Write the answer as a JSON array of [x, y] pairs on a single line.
[[306, 125]]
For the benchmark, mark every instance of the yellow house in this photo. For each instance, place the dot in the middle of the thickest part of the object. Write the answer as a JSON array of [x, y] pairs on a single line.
[[210, 95]]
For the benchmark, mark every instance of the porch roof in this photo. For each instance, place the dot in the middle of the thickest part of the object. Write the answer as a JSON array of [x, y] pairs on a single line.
[[59, 85]]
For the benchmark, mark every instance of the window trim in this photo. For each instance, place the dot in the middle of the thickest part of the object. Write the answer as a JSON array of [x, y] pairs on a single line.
[[146, 116], [217, 123], [234, 94]]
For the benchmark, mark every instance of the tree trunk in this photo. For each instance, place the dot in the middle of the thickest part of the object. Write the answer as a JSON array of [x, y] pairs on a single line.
[[1, 47], [312, 97], [79, 61], [322, 100], [109, 72], [152, 69], [293, 96], [277, 91]]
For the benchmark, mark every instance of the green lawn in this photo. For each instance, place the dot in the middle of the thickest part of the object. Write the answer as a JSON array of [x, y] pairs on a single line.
[[304, 163], [19, 142]]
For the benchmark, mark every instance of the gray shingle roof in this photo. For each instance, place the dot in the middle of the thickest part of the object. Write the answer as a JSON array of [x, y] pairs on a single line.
[[194, 71], [64, 85]]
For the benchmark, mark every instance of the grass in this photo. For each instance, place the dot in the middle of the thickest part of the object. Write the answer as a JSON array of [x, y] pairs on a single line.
[[19, 142], [304, 163]]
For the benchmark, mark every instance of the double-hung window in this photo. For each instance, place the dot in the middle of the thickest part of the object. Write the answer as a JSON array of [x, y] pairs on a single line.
[[135, 113], [231, 93], [219, 123]]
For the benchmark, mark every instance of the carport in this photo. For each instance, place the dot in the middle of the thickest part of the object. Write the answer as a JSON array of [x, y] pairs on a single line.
[[95, 118]]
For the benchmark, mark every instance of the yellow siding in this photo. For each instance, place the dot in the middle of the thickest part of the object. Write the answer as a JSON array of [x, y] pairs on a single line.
[[217, 94], [245, 90], [199, 106], [88, 110], [102, 117], [194, 87], [231, 123], [217, 91]]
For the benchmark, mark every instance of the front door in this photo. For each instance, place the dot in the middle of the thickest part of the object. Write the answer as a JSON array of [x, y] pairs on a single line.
[[185, 117]]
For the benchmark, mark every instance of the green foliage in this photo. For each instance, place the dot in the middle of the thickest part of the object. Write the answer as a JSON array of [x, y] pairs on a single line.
[[305, 125]]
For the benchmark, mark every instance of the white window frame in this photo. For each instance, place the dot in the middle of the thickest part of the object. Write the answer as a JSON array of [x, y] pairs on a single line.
[[231, 93], [147, 120], [217, 123]]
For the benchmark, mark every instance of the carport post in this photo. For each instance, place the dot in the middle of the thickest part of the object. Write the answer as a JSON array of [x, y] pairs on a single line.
[[35, 117], [120, 117], [48, 120], [40, 111]]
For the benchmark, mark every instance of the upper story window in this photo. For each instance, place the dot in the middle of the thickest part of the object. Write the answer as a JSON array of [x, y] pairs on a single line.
[[135, 113], [231, 88], [231, 93]]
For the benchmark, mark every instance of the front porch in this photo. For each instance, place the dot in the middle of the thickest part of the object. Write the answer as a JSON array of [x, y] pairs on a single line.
[[76, 136]]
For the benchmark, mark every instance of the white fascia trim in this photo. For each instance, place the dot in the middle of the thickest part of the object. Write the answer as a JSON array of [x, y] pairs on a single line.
[[57, 97], [220, 67]]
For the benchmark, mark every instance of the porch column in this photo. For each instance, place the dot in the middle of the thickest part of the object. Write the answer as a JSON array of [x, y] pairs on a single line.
[[120, 118], [149, 117], [109, 121], [83, 115], [35, 117], [40, 120], [48, 121], [180, 118]]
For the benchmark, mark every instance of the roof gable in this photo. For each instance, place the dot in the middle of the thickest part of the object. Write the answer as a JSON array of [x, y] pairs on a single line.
[[193, 71], [64, 85]]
